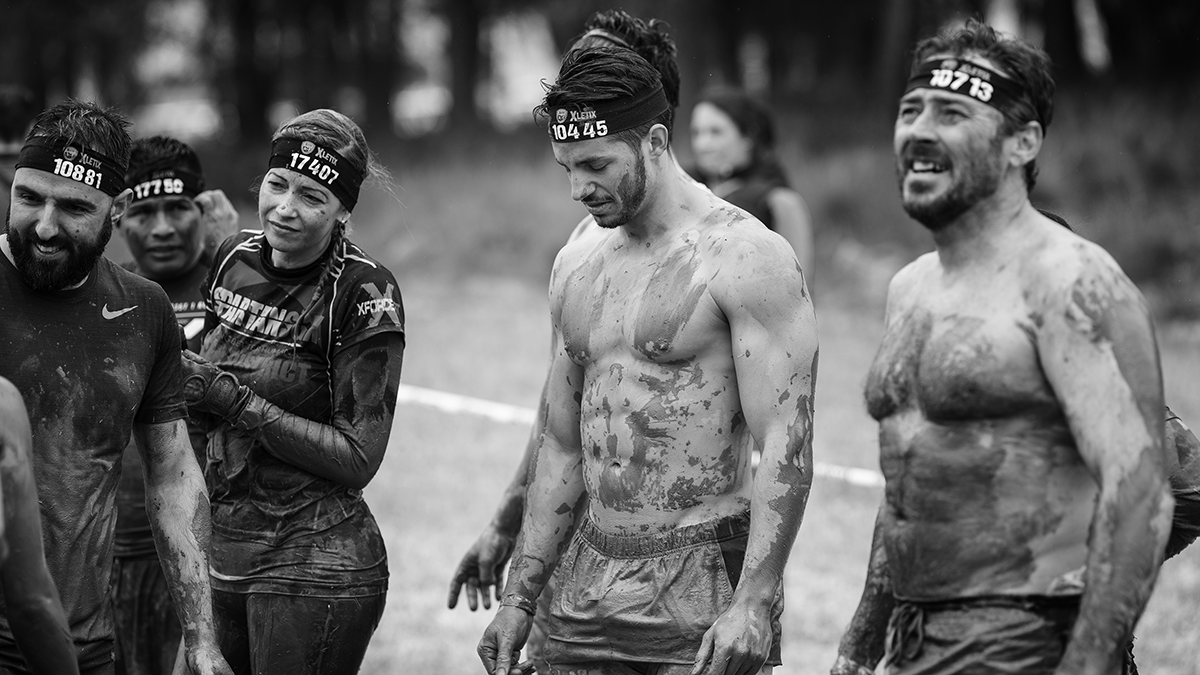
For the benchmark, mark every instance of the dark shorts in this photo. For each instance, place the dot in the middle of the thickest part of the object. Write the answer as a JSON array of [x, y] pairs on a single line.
[[271, 634], [147, 627], [648, 599], [980, 636]]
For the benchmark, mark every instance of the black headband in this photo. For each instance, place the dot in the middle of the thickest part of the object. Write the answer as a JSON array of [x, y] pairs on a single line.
[[574, 124], [74, 162], [320, 164], [164, 181], [967, 78]]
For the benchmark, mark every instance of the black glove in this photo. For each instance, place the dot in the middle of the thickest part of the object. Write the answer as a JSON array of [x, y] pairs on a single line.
[[206, 387]]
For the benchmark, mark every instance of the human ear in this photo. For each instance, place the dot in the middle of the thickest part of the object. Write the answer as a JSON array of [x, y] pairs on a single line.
[[1028, 142], [659, 139]]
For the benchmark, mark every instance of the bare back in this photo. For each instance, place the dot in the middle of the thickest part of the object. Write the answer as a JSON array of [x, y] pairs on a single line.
[[987, 489]]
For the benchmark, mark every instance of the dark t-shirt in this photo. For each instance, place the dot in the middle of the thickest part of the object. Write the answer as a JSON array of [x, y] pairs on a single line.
[[134, 538], [90, 363], [277, 527]]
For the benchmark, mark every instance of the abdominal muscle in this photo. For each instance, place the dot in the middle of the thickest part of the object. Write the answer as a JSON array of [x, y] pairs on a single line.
[[665, 448], [984, 508]]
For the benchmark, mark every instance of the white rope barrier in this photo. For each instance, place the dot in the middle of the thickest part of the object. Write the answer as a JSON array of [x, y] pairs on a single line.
[[511, 414]]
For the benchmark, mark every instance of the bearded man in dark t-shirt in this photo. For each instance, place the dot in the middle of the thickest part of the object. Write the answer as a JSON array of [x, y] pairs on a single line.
[[168, 226], [94, 351]]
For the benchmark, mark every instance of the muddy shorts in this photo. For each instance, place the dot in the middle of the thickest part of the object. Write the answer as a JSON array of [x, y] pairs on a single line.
[[647, 599], [991, 635]]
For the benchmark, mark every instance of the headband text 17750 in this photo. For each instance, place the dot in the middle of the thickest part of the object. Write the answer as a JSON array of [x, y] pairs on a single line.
[[165, 181], [320, 164], [571, 124], [967, 78], [74, 162]]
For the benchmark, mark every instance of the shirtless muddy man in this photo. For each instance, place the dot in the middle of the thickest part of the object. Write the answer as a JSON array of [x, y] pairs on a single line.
[[1019, 399], [685, 338]]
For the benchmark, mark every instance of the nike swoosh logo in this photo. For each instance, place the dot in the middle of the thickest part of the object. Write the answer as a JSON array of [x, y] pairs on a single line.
[[109, 314]]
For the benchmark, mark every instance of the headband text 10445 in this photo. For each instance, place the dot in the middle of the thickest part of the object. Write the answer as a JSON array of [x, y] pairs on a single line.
[[571, 125]]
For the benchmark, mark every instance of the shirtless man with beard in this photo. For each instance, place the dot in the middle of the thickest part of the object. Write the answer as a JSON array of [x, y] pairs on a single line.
[[685, 338], [1019, 400]]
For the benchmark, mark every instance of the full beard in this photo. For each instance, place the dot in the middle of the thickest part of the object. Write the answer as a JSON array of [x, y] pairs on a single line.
[[981, 178], [49, 275], [631, 192]]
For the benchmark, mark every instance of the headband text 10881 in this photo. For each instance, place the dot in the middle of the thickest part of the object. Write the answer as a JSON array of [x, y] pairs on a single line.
[[71, 160]]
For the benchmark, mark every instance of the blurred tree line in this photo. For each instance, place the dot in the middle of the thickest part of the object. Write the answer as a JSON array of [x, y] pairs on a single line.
[[318, 52]]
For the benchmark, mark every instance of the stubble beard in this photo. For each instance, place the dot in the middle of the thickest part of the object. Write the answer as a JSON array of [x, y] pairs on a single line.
[[980, 180], [46, 275], [631, 192]]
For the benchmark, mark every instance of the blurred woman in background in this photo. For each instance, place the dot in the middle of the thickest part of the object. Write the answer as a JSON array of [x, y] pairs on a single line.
[[301, 365], [733, 140]]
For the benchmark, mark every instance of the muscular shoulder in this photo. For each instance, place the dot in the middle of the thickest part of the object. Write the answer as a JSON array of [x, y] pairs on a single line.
[[1063, 272], [742, 255]]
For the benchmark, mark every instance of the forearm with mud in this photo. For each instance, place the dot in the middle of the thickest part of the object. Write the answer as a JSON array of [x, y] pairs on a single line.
[[781, 488], [1125, 549], [511, 509], [864, 640], [350, 450], [177, 503], [547, 525]]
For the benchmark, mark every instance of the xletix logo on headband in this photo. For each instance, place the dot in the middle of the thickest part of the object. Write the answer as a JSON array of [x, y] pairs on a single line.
[[68, 160], [571, 125]]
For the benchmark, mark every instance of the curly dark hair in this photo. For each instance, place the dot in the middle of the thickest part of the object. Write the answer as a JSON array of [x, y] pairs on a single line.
[[648, 38]]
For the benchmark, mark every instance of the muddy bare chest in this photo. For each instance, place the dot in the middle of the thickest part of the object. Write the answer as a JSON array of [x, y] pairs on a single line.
[[662, 313], [957, 366]]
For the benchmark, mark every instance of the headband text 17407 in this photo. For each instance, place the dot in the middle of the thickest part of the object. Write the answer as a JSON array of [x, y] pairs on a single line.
[[321, 164]]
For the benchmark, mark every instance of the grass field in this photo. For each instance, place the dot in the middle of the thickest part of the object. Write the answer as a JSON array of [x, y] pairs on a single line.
[[487, 337]]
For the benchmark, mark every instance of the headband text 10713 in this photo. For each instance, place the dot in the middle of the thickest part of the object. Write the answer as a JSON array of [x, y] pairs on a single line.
[[320, 164], [74, 162], [967, 78], [571, 125]]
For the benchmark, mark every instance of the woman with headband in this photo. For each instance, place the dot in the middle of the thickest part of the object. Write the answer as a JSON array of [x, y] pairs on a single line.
[[300, 366], [733, 139]]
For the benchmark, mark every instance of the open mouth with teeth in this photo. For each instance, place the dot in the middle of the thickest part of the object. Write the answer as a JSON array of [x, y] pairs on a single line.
[[925, 166]]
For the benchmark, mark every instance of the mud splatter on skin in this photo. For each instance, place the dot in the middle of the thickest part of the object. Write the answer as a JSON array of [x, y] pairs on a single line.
[[894, 372], [670, 299], [1107, 312], [1122, 567]]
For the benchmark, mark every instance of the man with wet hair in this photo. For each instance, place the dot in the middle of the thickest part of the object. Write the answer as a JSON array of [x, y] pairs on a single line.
[[95, 351], [168, 226], [1019, 400], [684, 338], [481, 570], [40, 625]]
